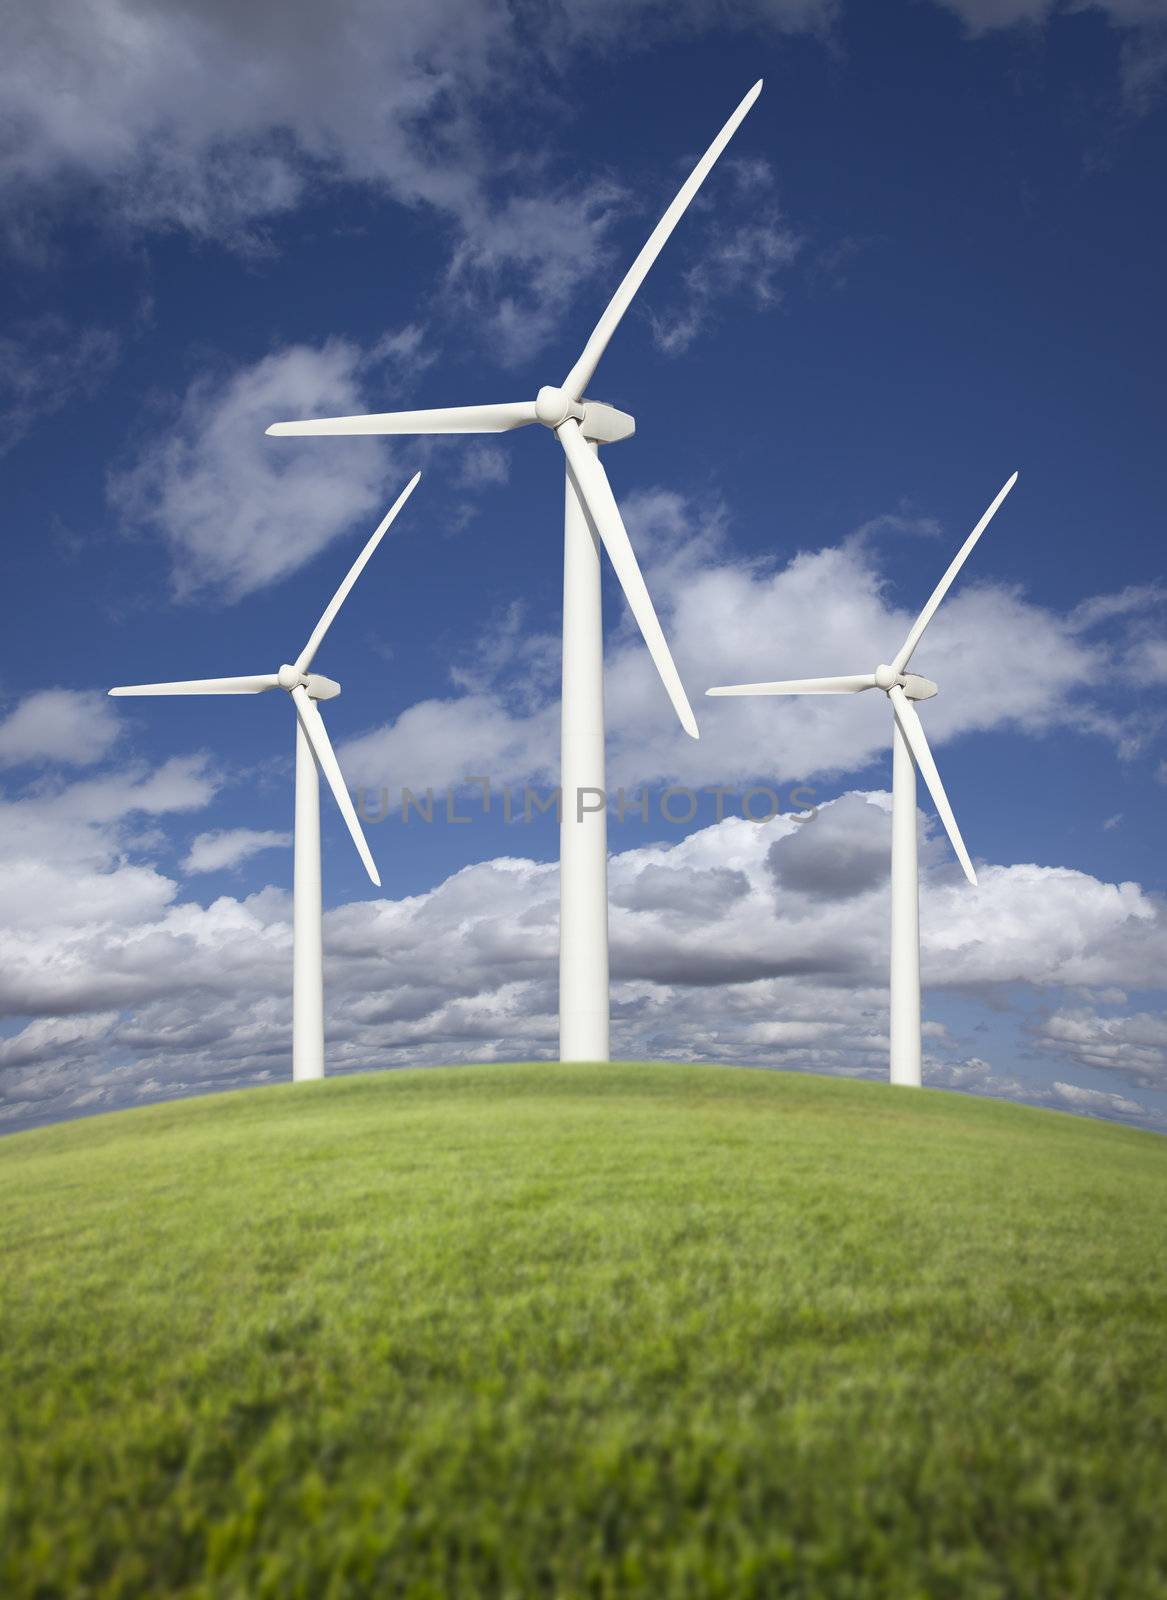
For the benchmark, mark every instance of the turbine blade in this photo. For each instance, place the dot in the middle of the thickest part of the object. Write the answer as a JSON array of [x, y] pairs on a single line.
[[255, 685], [580, 375], [447, 419], [913, 731], [852, 685], [317, 735], [595, 492], [304, 659], [946, 582]]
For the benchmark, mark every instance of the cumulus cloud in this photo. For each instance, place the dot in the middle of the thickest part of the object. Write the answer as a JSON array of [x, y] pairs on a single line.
[[1002, 661], [723, 948], [845, 855], [73, 727], [67, 861], [184, 783], [224, 848], [441, 742]]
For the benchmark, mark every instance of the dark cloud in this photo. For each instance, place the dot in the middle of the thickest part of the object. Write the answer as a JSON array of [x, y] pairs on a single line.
[[844, 853], [704, 893]]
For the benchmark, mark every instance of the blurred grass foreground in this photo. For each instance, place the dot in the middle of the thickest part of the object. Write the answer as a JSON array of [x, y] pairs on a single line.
[[593, 1331]]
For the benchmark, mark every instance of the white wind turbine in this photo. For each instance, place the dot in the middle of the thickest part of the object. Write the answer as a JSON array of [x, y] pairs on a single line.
[[909, 752], [581, 426], [313, 746]]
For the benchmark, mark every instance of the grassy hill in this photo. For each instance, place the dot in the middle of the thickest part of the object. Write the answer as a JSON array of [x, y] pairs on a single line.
[[584, 1331]]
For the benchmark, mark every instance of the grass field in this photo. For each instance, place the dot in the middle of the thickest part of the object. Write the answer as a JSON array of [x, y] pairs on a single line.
[[584, 1331]]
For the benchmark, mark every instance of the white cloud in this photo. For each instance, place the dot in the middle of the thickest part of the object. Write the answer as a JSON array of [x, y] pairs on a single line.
[[213, 118], [483, 466], [1134, 1045], [44, 894], [981, 16], [976, 1076], [624, 24], [240, 510], [1142, 25], [1045, 925], [526, 259], [1001, 660], [759, 943], [218, 119], [440, 742], [1099, 1101], [1148, 660], [44, 365], [183, 783], [403, 350], [75, 727], [1144, 64], [66, 863], [224, 848], [743, 258], [745, 244], [55, 1038]]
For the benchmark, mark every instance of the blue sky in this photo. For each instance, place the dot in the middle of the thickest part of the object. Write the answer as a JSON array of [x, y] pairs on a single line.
[[933, 254]]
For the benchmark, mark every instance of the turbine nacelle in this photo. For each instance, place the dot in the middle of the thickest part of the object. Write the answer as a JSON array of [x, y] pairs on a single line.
[[321, 688], [604, 424], [600, 423], [318, 686], [913, 685]]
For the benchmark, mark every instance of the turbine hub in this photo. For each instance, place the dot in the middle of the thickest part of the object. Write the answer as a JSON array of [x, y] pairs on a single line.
[[886, 677], [289, 678], [553, 406]]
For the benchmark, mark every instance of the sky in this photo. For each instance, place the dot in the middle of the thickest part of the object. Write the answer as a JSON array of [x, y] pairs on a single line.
[[932, 255]]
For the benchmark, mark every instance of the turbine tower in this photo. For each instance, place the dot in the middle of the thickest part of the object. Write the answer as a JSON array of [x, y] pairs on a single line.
[[314, 754], [591, 518], [910, 753]]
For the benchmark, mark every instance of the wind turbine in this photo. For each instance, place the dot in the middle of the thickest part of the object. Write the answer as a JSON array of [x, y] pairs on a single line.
[[314, 754], [909, 752], [590, 510]]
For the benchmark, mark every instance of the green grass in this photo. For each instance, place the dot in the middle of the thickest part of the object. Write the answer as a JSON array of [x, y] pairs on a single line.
[[584, 1331]]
